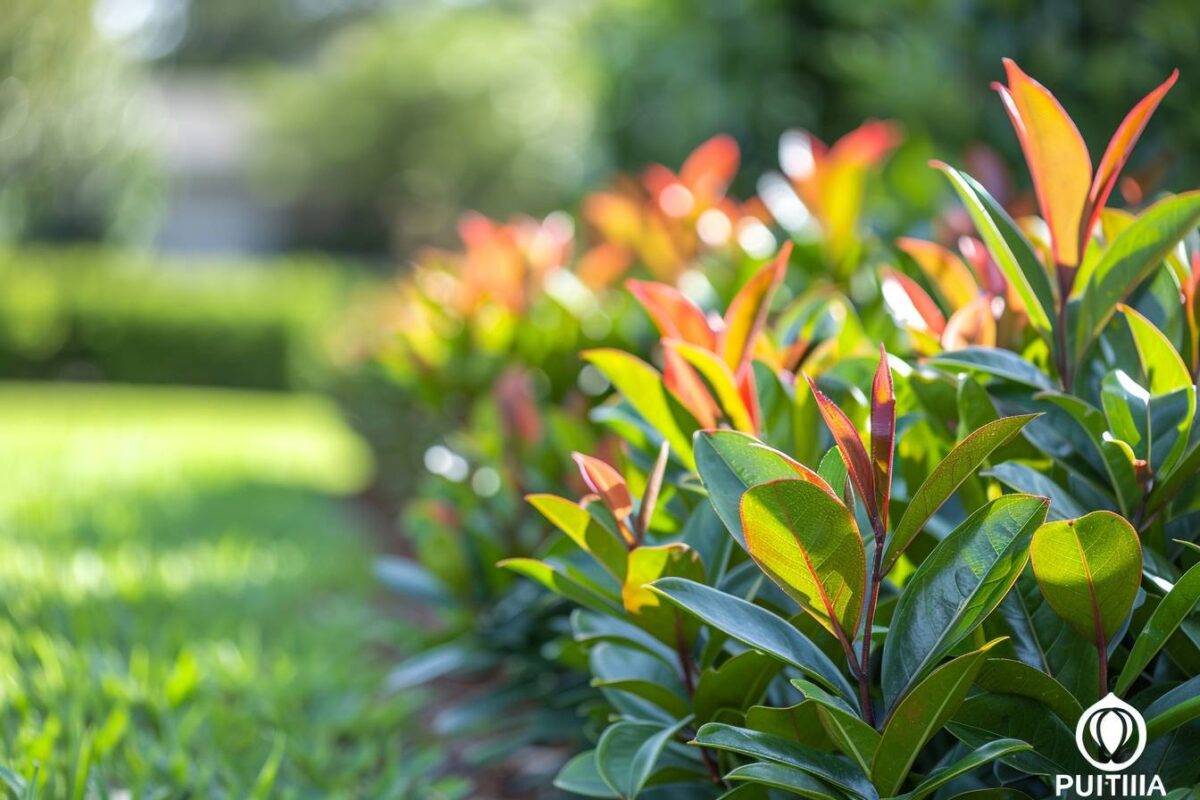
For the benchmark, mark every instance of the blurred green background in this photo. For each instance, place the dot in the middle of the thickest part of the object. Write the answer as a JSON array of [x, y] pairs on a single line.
[[196, 198], [364, 126]]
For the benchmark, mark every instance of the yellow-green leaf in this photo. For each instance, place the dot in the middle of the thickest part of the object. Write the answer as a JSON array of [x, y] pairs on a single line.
[[808, 543], [1089, 570]]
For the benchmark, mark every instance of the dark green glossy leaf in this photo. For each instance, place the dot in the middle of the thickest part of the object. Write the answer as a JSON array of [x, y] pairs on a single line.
[[789, 779], [1173, 397], [831, 768], [641, 674], [987, 716], [1134, 254], [1005, 676], [590, 628], [1127, 410], [956, 587], [755, 627], [1166, 619], [972, 761], [990, 361], [999, 793], [846, 730], [628, 752], [730, 463], [736, 684], [1022, 478], [1047, 643], [919, 715], [580, 776], [800, 723], [946, 477], [1092, 423]]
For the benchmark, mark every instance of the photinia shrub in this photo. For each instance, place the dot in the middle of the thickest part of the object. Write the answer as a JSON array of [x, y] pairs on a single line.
[[850, 575], [855, 520]]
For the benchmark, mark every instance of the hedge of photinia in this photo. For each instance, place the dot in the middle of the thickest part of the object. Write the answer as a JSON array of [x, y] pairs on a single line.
[[846, 516]]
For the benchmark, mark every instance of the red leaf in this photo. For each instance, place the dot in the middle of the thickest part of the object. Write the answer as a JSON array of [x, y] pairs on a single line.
[[1117, 153], [748, 389], [710, 169], [858, 463], [675, 316], [926, 308], [867, 144], [689, 389], [883, 435]]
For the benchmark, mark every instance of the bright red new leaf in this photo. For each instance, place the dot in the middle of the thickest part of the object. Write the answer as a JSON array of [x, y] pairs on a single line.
[[883, 436], [858, 463]]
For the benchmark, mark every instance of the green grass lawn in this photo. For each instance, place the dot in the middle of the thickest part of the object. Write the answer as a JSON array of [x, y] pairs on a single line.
[[188, 608]]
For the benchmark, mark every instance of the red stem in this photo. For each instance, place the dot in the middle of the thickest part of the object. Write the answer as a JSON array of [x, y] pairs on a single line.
[[689, 683]]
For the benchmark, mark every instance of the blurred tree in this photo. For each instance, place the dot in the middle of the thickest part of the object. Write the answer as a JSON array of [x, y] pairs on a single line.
[[73, 163], [405, 122], [225, 32]]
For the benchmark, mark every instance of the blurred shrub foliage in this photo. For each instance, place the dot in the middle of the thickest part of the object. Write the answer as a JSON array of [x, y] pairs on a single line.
[[74, 161], [403, 123], [513, 105], [106, 314]]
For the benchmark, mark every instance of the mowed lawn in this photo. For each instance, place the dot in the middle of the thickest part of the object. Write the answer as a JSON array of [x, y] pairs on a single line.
[[187, 607]]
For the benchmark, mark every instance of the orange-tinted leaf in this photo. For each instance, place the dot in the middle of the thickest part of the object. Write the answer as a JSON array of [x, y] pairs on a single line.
[[854, 454], [971, 325], [843, 181], [924, 312], [747, 314], [1057, 157], [944, 270], [603, 264], [605, 481], [617, 217], [710, 169], [867, 144], [1117, 153], [883, 435], [687, 387], [675, 316]]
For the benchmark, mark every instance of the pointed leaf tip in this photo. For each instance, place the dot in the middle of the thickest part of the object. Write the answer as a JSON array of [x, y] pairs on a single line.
[[858, 463], [1057, 157], [883, 436], [1117, 153]]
